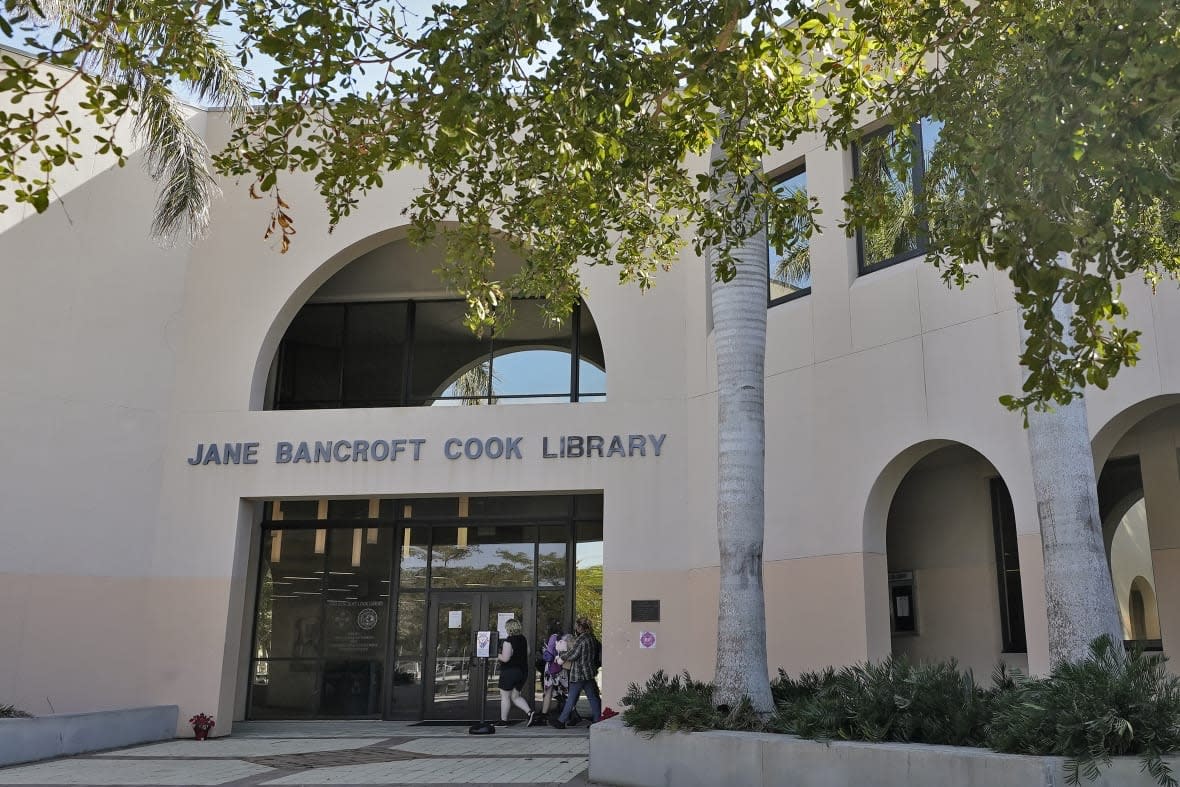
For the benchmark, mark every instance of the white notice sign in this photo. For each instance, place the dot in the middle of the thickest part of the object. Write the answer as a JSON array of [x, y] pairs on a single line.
[[501, 619], [483, 644], [455, 619]]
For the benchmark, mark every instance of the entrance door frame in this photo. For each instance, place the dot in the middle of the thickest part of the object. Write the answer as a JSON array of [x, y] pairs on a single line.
[[481, 601]]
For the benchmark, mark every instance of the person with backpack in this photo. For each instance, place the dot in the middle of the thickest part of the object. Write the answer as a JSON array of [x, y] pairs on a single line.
[[582, 661], [554, 679]]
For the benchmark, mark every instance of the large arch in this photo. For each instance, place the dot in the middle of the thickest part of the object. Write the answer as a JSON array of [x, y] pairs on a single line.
[[1116, 427], [941, 515], [1137, 460], [405, 271]]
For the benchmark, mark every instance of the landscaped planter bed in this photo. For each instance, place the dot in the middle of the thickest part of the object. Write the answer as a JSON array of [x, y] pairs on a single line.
[[622, 756], [42, 737]]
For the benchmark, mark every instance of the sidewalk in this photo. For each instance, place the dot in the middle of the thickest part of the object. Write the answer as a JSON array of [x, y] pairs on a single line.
[[337, 753]]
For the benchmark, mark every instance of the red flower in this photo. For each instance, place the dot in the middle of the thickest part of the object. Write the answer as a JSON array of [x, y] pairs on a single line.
[[202, 720]]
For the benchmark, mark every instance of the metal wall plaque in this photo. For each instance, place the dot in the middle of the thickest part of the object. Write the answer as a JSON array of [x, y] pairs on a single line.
[[645, 611]]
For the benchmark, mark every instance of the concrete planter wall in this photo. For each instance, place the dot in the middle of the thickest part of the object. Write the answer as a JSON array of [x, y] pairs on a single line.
[[621, 756], [26, 740]]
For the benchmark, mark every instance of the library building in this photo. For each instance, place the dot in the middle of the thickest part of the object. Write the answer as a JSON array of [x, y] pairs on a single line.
[[295, 486]]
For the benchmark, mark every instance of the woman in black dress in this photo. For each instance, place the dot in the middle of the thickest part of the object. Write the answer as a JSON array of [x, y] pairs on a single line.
[[514, 672]]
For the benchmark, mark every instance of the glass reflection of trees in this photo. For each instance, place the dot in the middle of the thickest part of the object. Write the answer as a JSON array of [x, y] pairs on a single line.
[[588, 573], [472, 564], [483, 557], [308, 657], [790, 267], [891, 177]]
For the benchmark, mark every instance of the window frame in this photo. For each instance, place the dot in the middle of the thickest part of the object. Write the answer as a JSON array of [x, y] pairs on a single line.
[[917, 181], [405, 396], [790, 172], [580, 509], [1004, 519]]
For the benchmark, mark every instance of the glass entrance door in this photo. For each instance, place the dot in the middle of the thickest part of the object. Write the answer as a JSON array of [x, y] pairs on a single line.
[[455, 681], [499, 608]]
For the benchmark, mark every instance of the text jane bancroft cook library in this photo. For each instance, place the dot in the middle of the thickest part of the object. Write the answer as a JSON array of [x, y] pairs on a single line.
[[591, 446]]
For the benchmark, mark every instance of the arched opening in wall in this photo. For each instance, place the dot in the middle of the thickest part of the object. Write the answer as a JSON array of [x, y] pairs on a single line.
[[1142, 610], [1123, 508], [953, 565], [1139, 503], [382, 332]]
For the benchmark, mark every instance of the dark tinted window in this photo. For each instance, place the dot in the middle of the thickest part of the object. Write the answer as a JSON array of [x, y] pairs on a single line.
[[1008, 569], [387, 354]]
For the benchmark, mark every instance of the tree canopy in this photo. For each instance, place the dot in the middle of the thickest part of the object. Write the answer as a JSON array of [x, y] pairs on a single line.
[[1059, 136], [578, 130]]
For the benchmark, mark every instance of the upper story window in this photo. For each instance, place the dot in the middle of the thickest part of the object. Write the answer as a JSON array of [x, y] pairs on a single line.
[[418, 352], [902, 233], [790, 267]]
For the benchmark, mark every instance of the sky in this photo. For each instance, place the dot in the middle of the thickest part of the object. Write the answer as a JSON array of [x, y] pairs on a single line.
[[259, 66]]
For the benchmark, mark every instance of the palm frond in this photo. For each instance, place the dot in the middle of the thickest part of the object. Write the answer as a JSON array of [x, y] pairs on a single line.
[[178, 159], [175, 156], [474, 385], [794, 267]]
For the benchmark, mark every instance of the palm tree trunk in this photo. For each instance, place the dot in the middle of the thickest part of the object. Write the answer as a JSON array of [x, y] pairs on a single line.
[[739, 334], [1078, 590]]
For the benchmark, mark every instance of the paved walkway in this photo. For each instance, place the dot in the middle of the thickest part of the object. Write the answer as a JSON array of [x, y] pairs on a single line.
[[336, 753]]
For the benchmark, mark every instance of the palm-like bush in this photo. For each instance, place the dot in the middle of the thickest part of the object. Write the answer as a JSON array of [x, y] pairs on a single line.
[[681, 704], [892, 700], [1106, 705]]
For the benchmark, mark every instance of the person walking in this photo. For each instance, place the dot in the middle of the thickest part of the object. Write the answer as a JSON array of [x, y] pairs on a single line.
[[554, 680], [583, 660], [514, 673]]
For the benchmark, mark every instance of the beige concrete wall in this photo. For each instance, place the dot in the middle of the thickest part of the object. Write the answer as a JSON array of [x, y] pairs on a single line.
[[90, 316], [120, 356], [1156, 441], [1130, 560], [940, 528]]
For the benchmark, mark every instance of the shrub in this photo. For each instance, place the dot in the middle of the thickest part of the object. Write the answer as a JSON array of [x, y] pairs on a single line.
[[892, 700], [13, 712], [681, 704], [1108, 704], [788, 689]]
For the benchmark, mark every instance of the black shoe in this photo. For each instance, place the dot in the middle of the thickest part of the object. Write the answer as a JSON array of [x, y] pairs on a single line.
[[531, 720], [557, 724]]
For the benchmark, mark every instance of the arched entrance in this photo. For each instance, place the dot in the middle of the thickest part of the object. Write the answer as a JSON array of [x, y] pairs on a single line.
[[953, 584], [1138, 495]]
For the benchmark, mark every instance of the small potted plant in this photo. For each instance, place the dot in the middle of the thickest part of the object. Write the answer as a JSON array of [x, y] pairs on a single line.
[[202, 723]]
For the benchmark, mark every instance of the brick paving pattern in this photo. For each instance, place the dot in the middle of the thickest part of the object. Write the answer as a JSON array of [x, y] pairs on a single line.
[[330, 753]]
